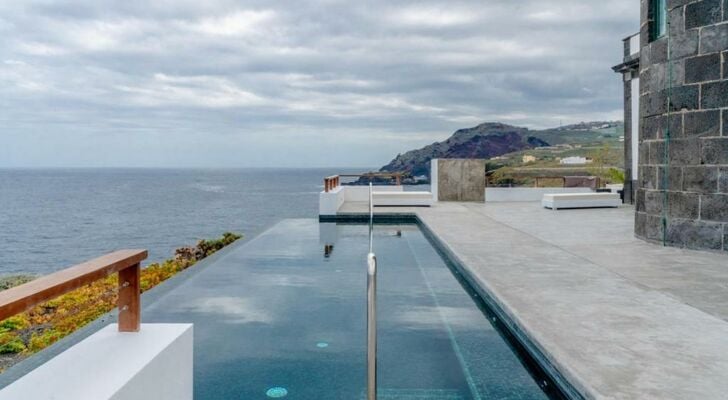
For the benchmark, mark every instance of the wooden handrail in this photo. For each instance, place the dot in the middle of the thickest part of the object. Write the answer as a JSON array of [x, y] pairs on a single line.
[[334, 181], [126, 262], [373, 174]]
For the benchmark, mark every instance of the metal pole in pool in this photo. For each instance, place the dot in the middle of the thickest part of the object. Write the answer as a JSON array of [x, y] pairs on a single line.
[[371, 218], [371, 308]]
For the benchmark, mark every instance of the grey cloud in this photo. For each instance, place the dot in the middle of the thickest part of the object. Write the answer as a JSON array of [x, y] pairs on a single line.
[[249, 77]]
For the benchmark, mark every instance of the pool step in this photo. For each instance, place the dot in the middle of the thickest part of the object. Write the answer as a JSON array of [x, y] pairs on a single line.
[[416, 394]]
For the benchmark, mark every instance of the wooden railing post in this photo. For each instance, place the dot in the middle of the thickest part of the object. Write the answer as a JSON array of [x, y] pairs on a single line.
[[127, 263], [129, 302], [331, 183]]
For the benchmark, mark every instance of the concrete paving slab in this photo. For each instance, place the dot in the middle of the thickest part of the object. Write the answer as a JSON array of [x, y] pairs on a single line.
[[606, 237], [618, 317]]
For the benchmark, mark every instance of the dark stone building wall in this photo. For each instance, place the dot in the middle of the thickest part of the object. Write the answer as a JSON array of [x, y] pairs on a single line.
[[682, 195]]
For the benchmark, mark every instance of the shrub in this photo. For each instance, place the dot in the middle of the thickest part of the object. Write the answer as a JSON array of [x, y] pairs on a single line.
[[15, 280], [11, 344], [47, 323], [615, 175], [14, 323]]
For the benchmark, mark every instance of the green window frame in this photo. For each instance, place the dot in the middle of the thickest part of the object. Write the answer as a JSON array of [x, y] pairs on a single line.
[[659, 19]]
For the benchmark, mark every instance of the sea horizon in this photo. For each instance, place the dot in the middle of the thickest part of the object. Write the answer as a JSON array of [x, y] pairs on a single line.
[[347, 168], [52, 218]]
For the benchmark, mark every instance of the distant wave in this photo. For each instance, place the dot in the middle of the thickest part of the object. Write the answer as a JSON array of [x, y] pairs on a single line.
[[282, 193], [208, 188]]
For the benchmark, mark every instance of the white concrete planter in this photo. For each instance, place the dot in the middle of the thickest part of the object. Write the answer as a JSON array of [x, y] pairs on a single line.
[[154, 363]]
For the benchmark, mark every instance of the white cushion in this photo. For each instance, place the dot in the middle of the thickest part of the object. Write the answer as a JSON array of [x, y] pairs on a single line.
[[402, 198], [581, 200]]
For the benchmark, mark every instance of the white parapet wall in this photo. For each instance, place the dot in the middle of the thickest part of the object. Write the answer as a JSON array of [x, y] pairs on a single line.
[[361, 193], [152, 364], [524, 194], [331, 201], [434, 179], [402, 199]]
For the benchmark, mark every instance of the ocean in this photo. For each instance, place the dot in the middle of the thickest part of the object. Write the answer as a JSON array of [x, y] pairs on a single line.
[[51, 219]]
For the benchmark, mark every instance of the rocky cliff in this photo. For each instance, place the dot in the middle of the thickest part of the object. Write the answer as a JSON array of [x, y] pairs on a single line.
[[483, 141]]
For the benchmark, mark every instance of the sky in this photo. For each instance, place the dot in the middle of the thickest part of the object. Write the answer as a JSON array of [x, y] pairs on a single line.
[[222, 83]]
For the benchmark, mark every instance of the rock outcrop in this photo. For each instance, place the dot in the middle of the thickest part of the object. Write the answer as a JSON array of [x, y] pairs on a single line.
[[483, 141]]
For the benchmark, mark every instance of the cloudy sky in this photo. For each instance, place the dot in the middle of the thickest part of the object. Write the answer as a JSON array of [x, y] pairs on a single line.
[[218, 83]]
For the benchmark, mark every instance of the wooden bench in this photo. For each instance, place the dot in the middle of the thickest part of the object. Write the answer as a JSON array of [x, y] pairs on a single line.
[[580, 200], [402, 199]]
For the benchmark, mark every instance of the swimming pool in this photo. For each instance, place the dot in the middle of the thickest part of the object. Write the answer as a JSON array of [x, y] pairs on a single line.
[[283, 316]]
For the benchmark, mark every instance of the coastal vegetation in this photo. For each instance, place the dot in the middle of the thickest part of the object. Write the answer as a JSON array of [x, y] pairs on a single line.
[[522, 153], [27, 333], [603, 149], [14, 280]]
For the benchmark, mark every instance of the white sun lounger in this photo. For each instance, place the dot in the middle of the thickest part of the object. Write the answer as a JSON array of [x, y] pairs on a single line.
[[412, 199], [580, 200]]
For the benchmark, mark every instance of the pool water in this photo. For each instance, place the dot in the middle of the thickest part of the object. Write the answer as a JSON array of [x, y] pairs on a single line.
[[284, 316]]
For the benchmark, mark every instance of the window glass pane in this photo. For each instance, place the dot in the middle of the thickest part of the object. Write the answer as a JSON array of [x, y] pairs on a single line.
[[660, 20]]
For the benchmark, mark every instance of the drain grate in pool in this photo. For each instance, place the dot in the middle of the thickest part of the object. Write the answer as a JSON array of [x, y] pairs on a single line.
[[416, 394]]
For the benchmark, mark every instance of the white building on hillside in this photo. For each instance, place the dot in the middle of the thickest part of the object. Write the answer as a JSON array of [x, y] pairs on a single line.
[[575, 161]]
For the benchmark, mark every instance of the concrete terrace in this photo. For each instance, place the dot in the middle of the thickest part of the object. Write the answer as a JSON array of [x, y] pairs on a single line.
[[617, 317]]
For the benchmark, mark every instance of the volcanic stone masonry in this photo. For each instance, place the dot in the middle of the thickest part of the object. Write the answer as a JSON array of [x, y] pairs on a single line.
[[682, 187]]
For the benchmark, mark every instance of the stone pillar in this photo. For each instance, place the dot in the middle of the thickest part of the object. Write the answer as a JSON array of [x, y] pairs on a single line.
[[629, 175], [458, 179], [682, 195], [629, 70]]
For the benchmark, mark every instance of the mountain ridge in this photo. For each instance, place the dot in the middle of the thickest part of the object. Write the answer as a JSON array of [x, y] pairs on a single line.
[[486, 140]]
